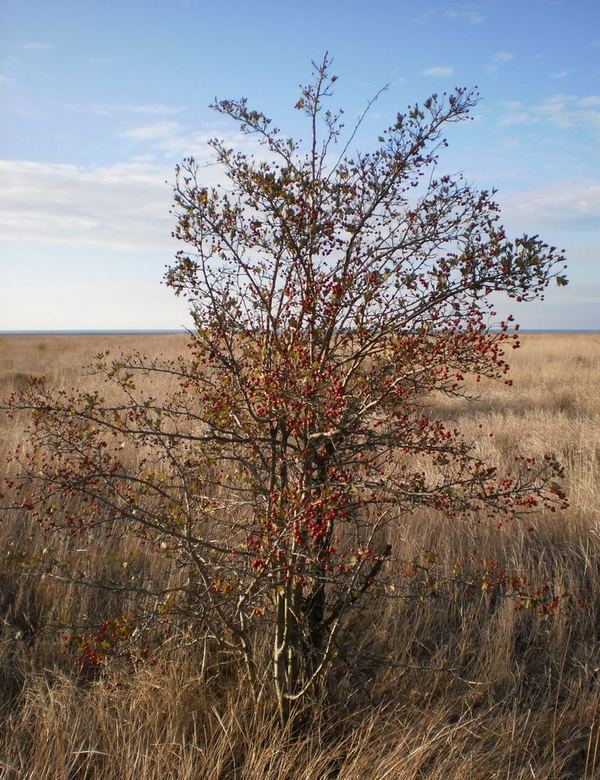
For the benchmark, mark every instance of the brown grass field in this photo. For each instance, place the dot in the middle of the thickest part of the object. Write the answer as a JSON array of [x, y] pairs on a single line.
[[471, 691]]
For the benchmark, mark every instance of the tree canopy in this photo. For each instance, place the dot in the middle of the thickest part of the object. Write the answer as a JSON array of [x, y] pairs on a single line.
[[334, 295]]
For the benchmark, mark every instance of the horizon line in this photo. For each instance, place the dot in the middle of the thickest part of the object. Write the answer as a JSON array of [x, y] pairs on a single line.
[[181, 331]]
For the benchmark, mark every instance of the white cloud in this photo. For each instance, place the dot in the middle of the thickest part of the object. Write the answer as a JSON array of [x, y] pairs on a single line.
[[174, 141], [470, 15], [438, 70], [565, 111], [511, 105], [559, 205], [153, 132], [123, 207], [6, 81], [37, 45], [498, 58], [561, 74], [119, 109], [145, 108]]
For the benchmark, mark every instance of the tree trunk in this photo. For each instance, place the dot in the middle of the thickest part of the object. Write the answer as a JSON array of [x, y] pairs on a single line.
[[288, 661]]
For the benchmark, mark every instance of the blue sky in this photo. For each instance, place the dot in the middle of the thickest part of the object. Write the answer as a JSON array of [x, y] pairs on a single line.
[[99, 100]]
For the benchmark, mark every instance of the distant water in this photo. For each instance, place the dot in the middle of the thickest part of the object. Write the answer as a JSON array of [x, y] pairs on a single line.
[[559, 330]]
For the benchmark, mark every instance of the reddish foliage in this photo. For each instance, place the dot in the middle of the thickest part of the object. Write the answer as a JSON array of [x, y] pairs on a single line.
[[332, 295]]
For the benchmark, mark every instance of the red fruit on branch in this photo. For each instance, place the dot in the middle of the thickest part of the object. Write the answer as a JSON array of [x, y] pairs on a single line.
[[298, 433]]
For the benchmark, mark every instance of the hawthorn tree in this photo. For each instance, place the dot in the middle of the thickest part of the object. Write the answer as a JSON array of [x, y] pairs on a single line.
[[333, 295]]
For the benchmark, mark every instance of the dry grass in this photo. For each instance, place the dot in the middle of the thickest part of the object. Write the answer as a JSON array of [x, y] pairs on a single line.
[[517, 698]]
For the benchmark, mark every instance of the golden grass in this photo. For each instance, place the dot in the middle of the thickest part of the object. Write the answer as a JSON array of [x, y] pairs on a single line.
[[472, 691]]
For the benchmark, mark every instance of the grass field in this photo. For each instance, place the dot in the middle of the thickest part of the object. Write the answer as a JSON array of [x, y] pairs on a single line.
[[472, 690]]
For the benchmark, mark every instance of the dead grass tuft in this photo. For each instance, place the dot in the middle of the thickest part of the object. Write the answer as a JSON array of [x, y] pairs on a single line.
[[444, 690]]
